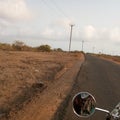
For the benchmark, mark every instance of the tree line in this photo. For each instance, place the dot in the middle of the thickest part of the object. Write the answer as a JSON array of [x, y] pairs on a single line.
[[21, 46]]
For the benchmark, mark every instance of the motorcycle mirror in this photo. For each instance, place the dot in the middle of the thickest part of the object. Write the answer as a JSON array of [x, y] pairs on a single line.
[[83, 104]]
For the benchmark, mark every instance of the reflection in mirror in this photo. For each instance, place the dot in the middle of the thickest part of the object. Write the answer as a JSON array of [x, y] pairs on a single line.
[[83, 104]]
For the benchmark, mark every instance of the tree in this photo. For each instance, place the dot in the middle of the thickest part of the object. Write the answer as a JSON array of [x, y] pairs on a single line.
[[58, 49], [44, 48], [18, 45], [5, 46]]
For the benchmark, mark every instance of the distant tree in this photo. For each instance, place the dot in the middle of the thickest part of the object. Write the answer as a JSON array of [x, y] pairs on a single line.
[[58, 49], [18, 45], [44, 48], [5, 46]]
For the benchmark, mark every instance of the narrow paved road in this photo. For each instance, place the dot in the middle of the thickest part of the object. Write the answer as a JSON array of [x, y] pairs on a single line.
[[102, 79]]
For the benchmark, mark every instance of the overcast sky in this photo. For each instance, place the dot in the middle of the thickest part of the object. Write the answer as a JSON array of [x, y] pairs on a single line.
[[37, 22]]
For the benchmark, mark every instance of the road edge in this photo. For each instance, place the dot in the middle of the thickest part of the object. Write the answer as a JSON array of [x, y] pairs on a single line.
[[61, 111]]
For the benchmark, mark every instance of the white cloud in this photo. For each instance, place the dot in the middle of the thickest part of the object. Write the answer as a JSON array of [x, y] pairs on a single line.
[[115, 34], [51, 34], [64, 22], [48, 32], [60, 31], [102, 34], [14, 10], [4, 23], [90, 32], [5, 28]]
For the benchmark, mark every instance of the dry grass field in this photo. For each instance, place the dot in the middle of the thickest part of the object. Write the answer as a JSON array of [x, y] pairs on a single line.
[[23, 75], [115, 59]]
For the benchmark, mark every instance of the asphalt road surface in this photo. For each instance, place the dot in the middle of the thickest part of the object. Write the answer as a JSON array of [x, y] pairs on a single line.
[[102, 79]]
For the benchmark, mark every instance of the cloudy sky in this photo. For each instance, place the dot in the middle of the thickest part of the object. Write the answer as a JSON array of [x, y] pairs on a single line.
[[37, 22]]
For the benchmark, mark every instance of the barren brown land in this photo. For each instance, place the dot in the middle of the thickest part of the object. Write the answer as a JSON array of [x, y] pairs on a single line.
[[115, 59], [30, 86]]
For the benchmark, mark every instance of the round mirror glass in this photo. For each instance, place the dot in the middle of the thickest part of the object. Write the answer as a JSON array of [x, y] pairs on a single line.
[[84, 104]]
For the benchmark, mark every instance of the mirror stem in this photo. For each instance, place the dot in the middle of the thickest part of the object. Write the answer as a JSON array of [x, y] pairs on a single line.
[[103, 110]]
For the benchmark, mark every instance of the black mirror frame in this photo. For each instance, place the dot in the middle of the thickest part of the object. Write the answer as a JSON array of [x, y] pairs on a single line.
[[74, 109]]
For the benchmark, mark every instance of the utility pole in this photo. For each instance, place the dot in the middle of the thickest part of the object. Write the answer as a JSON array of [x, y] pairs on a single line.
[[93, 50], [82, 44], [70, 36]]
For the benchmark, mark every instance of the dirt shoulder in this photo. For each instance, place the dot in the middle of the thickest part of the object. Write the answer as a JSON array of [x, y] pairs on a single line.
[[37, 81], [115, 59]]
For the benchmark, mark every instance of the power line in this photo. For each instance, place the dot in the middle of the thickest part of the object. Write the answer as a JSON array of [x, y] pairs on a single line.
[[55, 8], [60, 10], [48, 6]]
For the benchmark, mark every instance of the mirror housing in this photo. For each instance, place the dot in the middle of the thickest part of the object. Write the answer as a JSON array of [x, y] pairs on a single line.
[[83, 104]]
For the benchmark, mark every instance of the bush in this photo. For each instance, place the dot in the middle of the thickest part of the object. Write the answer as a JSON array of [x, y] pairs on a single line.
[[18, 45], [58, 50], [4, 46], [44, 48]]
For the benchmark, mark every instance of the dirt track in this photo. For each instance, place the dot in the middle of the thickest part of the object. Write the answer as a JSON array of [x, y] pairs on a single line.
[[31, 84]]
